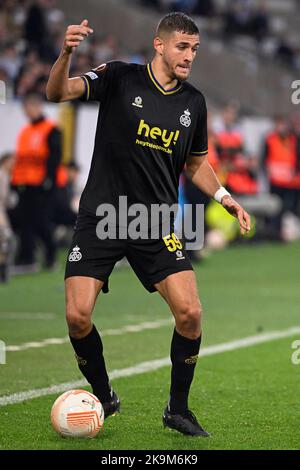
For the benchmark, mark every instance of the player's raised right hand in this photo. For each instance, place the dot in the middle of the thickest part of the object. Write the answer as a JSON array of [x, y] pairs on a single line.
[[75, 34]]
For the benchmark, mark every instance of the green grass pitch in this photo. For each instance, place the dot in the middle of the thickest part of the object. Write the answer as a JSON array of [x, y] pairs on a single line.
[[247, 398]]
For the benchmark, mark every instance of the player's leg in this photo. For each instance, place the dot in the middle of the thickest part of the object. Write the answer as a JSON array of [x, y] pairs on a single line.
[[180, 292], [81, 295]]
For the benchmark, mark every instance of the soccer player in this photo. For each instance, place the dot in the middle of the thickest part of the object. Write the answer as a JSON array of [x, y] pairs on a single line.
[[151, 123]]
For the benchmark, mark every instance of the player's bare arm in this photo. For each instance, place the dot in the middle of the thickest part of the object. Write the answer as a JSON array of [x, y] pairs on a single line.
[[60, 87], [203, 176]]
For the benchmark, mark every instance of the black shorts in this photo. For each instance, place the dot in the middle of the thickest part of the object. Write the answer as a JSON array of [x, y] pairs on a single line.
[[152, 260]]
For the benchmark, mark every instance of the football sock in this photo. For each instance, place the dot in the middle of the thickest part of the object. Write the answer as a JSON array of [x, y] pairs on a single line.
[[184, 355], [89, 355]]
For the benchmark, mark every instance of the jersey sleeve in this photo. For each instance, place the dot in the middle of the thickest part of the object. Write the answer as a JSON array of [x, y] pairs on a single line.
[[199, 146], [99, 81]]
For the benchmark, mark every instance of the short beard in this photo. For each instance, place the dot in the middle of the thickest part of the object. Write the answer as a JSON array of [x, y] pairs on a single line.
[[173, 73], [180, 79]]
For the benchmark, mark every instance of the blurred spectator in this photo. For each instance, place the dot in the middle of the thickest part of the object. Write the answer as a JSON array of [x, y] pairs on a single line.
[[281, 165], [227, 156], [73, 195], [236, 167], [193, 195], [36, 31], [6, 163], [35, 173], [204, 8], [295, 124], [66, 197], [157, 4], [259, 25], [30, 79], [234, 18], [243, 17], [213, 156], [31, 33], [82, 63], [140, 57], [9, 87], [284, 51], [237, 18], [35, 28], [105, 49], [187, 6], [227, 119], [10, 60]]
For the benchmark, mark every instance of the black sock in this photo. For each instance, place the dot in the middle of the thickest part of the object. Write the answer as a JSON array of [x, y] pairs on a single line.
[[184, 355], [89, 355]]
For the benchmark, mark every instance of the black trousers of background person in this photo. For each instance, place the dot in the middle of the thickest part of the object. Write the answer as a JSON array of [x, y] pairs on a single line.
[[290, 199], [35, 223]]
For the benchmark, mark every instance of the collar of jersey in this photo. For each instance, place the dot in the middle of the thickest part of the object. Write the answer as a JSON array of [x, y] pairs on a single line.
[[158, 85]]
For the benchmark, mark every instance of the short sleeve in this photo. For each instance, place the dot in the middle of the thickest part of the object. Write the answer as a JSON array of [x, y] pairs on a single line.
[[98, 82], [199, 146]]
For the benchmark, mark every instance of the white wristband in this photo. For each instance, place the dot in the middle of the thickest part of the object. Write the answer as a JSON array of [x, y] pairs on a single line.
[[220, 193]]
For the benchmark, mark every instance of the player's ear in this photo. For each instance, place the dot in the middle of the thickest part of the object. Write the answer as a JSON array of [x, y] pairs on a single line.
[[158, 45]]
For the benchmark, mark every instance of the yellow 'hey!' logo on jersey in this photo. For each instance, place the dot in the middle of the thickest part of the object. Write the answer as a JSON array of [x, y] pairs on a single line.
[[167, 137]]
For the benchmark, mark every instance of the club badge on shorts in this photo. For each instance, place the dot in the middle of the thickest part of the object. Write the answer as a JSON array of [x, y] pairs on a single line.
[[75, 254]]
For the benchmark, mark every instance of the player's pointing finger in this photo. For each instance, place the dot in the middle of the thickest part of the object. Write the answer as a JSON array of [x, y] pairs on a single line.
[[240, 216], [85, 23]]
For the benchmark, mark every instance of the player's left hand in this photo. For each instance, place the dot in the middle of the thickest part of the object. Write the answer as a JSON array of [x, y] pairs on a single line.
[[237, 211]]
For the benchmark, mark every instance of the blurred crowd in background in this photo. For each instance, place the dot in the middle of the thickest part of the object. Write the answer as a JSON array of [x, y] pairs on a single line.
[[267, 183], [31, 36], [44, 191], [250, 24]]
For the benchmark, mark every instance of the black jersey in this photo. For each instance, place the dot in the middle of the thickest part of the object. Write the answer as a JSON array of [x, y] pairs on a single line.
[[144, 135]]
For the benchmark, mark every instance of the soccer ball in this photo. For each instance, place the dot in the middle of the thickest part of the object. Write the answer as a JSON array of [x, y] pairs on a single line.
[[77, 413]]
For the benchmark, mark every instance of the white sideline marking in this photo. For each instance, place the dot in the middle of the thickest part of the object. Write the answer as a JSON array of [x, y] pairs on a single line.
[[151, 365], [26, 316], [111, 332]]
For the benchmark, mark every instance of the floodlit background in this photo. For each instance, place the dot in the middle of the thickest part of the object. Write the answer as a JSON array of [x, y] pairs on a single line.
[[248, 67]]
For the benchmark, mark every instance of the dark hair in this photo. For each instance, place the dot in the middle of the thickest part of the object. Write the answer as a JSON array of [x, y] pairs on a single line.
[[32, 96], [177, 21], [280, 117], [4, 157]]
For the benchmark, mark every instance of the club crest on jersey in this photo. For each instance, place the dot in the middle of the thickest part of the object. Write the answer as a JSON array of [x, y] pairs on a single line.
[[138, 102], [75, 254], [185, 119]]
